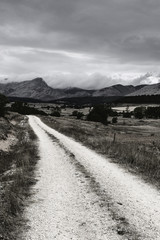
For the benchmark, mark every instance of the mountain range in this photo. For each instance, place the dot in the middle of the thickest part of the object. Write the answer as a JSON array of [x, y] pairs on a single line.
[[153, 89], [38, 89]]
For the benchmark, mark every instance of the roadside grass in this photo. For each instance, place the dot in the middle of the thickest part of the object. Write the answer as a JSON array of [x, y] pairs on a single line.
[[134, 147], [16, 177]]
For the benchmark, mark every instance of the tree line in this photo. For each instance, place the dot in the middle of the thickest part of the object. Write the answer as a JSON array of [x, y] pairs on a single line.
[[147, 112], [97, 113]]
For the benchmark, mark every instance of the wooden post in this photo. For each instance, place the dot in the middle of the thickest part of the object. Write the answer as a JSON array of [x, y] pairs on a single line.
[[114, 138]]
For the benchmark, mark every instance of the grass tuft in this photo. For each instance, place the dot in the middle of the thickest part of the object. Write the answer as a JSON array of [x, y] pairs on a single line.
[[16, 177]]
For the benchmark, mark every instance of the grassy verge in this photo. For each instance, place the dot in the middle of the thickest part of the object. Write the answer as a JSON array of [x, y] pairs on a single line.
[[135, 147], [16, 177]]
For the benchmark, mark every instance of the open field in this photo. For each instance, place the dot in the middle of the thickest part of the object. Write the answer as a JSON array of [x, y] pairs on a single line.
[[131, 142], [18, 156], [131, 107], [67, 111]]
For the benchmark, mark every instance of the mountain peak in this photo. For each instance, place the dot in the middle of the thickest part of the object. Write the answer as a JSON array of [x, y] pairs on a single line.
[[38, 89], [38, 80]]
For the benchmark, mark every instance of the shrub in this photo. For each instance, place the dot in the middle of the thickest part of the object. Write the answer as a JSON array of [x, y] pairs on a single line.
[[74, 113], [77, 114], [127, 114], [80, 115]]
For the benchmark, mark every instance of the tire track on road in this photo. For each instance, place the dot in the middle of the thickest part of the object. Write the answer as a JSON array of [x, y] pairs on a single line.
[[104, 200], [61, 208], [133, 204]]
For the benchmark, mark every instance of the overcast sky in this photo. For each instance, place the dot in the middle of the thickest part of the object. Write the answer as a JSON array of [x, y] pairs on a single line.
[[84, 43]]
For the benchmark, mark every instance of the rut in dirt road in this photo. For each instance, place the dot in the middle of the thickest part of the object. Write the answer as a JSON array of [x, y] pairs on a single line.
[[80, 195]]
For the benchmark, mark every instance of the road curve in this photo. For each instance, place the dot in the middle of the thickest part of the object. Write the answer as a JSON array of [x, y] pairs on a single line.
[[80, 195]]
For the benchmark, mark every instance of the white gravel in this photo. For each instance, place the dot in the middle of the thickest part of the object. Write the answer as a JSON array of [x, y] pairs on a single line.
[[74, 181]]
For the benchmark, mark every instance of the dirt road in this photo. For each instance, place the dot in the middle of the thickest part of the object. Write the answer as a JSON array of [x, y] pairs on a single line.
[[80, 195]]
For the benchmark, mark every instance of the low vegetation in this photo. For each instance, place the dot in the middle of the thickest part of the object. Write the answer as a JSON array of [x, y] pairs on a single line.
[[24, 109], [144, 99], [131, 139], [17, 166], [130, 142], [56, 111], [77, 114], [147, 112]]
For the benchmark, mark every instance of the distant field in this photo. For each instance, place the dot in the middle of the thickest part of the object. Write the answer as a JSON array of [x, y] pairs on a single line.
[[132, 107], [48, 107]]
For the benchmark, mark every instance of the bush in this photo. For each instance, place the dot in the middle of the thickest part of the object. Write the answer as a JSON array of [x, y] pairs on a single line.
[[77, 114], [80, 115], [127, 114], [74, 113]]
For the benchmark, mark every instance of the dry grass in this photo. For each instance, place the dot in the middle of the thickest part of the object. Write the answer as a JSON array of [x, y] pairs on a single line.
[[136, 147], [16, 177]]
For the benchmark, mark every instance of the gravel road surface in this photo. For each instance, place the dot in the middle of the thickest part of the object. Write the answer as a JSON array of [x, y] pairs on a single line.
[[81, 195]]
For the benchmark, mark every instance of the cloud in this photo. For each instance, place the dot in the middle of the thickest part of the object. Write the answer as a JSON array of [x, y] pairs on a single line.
[[82, 38], [147, 78]]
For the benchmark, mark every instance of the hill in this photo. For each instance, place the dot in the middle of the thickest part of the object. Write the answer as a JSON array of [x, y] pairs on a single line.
[[39, 90], [153, 89]]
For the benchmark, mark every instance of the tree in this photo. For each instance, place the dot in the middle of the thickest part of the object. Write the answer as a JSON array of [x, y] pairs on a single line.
[[152, 112], [26, 110], [114, 120], [17, 107], [139, 112], [3, 101], [127, 113], [99, 113]]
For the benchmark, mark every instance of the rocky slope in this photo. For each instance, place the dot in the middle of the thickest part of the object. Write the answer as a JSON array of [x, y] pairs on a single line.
[[38, 89], [153, 89], [115, 90]]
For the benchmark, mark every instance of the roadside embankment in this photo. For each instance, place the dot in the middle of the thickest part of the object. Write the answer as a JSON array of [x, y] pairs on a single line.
[[18, 157]]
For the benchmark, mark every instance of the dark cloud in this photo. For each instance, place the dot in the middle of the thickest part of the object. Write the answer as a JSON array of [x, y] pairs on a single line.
[[83, 36]]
